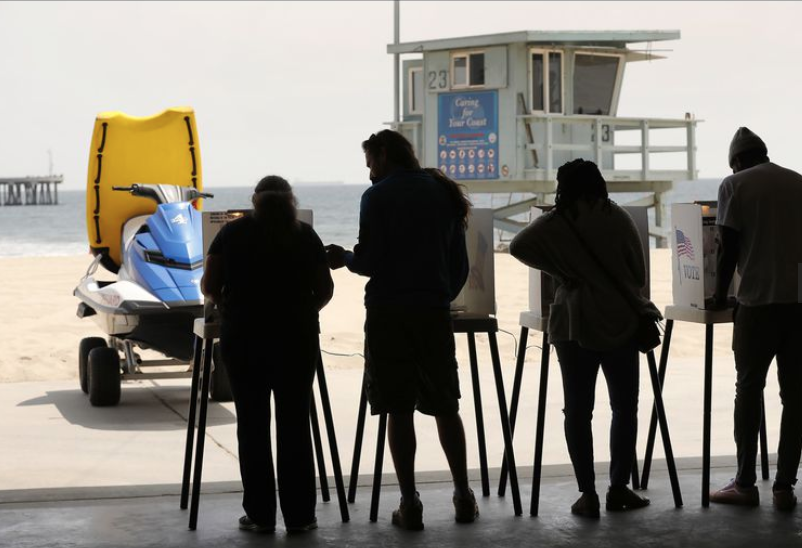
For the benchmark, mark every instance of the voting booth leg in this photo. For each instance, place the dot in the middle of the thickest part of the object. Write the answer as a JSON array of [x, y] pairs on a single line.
[[516, 393], [196, 366], [378, 468], [203, 396], [764, 442], [635, 474], [321, 463], [661, 417], [360, 432], [661, 375], [328, 417], [480, 422], [706, 415], [506, 431], [534, 505], [201, 375]]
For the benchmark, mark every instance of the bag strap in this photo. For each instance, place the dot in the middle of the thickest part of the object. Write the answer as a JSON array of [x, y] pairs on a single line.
[[615, 281]]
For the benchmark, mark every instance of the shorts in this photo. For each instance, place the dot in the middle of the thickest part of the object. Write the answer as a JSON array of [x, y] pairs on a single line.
[[410, 361]]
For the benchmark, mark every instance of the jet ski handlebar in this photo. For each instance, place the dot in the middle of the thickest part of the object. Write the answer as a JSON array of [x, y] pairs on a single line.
[[147, 192]]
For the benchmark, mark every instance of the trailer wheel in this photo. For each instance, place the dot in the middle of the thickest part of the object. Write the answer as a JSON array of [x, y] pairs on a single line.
[[104, 377], [219, 386], [84, 348]]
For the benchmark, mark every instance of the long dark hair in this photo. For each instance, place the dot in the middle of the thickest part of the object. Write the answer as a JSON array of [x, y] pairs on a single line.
[[456, 191], [579, 179], [275, 207], [399, 150]]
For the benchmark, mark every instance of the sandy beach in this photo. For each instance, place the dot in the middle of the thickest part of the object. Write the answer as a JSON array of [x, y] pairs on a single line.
[[48, 417], [41, 332]]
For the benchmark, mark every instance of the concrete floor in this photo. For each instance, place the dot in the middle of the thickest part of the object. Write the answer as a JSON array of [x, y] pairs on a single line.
[[76, 476], [149, 516]]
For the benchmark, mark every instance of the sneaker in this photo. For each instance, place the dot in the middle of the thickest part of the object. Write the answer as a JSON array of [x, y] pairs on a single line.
[[784, 499], [732, 493], [623, 498], [298, 529], [247, 524], [465, 508], [586, 506], [409, 516]]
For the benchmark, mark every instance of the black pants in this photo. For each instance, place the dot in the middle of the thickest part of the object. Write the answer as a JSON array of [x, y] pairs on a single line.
[[762, 333], [283, 366], [580, 367]]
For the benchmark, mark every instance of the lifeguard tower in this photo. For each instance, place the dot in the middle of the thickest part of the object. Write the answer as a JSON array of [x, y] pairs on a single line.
[[500, 113]]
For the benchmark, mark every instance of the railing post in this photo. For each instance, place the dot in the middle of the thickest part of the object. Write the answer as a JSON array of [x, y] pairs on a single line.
[[597, 130], [549, 152], [691, 129], [520, 159], [644, 147], [415, 137]]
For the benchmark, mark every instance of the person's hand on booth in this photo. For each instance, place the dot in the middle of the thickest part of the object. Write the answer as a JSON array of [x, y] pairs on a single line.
[[335, 255]]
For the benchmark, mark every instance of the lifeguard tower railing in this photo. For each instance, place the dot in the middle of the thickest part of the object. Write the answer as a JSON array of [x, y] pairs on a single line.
[[542, 158]]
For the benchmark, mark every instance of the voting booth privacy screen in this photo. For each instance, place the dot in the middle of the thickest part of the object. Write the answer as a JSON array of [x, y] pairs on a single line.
[[478, 296], [694, 244], [213, 221], [542, 286]]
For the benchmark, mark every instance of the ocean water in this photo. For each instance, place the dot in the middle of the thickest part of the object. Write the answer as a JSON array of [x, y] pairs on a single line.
[[58, 230]]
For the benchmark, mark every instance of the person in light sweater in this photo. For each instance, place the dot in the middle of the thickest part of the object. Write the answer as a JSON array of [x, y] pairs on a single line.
[[591, 323]]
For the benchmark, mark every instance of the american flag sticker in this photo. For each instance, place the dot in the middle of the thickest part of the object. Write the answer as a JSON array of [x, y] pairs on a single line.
[[684, 246]]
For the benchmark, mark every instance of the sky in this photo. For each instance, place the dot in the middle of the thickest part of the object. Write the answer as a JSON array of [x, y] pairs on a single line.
[[294, 87]]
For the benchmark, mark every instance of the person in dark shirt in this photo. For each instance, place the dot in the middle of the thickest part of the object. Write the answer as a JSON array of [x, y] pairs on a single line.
[[412, 247], [268, 275]]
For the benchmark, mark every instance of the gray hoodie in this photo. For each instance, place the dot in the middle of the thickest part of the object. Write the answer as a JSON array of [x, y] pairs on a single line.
[[588, 308]]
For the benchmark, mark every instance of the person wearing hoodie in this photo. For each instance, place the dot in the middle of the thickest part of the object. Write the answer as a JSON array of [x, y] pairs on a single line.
[[592, 324], [760, 229]]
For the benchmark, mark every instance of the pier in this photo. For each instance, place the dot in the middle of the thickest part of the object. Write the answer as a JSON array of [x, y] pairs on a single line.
[[30, 190]]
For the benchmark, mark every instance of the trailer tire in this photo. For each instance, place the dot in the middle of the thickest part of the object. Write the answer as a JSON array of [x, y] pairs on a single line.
[[219, 385], [84, 348], [104, 377]]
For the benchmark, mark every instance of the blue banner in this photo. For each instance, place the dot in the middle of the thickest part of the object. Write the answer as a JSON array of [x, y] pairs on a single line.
[[467, 134]]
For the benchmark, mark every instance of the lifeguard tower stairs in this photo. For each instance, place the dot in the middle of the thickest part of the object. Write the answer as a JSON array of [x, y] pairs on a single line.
[[501, 113]]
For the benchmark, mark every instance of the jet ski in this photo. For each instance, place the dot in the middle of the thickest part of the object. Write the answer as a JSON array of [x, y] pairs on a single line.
[[154, 301], [144, 190]]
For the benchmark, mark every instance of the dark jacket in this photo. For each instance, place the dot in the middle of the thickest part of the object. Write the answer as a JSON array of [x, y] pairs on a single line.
[[411, 243]]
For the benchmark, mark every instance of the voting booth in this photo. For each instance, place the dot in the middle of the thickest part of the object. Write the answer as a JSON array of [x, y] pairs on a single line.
[[694, 245], [478, 295], [213, 221]]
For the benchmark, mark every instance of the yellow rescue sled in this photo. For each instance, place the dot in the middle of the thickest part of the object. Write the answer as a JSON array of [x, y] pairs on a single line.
[[159, 149]]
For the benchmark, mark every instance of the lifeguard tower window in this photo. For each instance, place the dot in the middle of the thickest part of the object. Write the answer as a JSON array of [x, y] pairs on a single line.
[[416, 93], [468, 69], [546, 68], [594, 83]]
